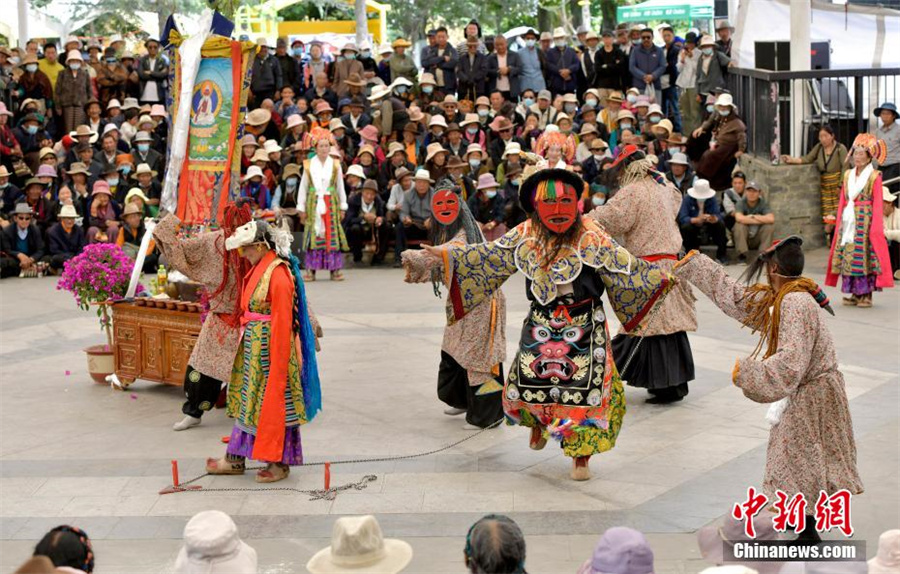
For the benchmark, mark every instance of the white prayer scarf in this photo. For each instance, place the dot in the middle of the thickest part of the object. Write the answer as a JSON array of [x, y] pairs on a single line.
[[320, 174], [855, 184]]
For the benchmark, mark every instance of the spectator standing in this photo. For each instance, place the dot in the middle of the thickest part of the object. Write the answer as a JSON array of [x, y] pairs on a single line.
[[212, 546], [314, 65], [266, 77], [472, 72], [830, 157], [473, 28], [724, 30], [290, 67], [610, 69], [889, 133], [384, 65], [402, 65], [73, 90], [700, 214], [111, 78], [711, 69], [33, 84], [49, 65], [588, 58], [532, 59], [441, 60], [343, 69], [689, 106], [495, 545], [623, 39], [562, 64], [504, 70], [153, 72], [754, 222], [669, 80], [647, 64]]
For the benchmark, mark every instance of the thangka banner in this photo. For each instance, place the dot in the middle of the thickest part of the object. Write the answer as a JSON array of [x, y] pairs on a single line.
[[210, 175]]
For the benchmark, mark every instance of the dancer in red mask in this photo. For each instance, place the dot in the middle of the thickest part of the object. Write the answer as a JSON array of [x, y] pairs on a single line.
[[563, 382]]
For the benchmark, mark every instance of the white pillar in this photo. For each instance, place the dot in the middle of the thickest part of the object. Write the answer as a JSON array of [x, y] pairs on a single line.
[[362, 25], [23, 23], [801, 60]]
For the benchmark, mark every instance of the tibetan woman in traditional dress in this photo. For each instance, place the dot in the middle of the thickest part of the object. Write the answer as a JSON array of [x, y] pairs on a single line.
[[563, 381], [470, 377], [275, 382], [811, 445], [322, 203], [859, 251]]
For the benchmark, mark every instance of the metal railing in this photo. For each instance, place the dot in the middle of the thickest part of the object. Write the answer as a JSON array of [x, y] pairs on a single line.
[[844, 99]]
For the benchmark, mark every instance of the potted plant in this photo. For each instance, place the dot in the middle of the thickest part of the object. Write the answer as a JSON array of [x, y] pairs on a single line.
[[98, 276]]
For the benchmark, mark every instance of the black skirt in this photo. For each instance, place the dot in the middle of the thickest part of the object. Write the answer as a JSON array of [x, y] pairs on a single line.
[[454, 389], [661, 361]]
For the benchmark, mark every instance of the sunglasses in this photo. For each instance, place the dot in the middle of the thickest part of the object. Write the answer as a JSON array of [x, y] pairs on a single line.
[[646, 37], [23, 217]]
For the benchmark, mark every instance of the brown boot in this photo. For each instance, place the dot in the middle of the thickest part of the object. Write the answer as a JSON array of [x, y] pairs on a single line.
[[537, 440], [226, 465], [580, 468], [273, 472], [850, 301]]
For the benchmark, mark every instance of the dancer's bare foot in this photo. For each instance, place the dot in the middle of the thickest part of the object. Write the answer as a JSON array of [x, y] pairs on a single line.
[[273, 472], [537, 440], [580, 468], [225, 465]]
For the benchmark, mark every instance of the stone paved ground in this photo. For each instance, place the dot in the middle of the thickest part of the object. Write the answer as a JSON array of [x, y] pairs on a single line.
[[73, 451]]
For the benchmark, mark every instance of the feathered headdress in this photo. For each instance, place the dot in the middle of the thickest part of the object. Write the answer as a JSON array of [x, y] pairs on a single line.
[[876, 148], [318, 134]]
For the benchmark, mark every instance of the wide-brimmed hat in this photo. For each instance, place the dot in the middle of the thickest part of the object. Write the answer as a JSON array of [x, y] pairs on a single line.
[[252, 171], [130, 104], [212, 545], [82, 131], [101, 188], [77, 167], [142, 136], [433, 149], [402, 172], [886, 106], [475, 148], [334, 124], [110, 127], [45, 170], [23, 208], [144, 168], [401, 81], [258, 117], [136, 192], [482, 101], [350, 47], [356, 170], [664, 124], [701, 190], [28, 59], [722, 24], [588, 129], [260, 155], [4, 111], [89, 103], [74, 55], [512, 148], [453, 127], [454, 162], [395, 147], [370, 184], [385, 48], [5, 172], [323, 107], [271, 146], [487, 181], [625, 114], [679, 158], [559, 32], [887, 560], [249, 139], [427, 78], [415, 115], [423, 174], [449, 99], [379, 92], [534, 175], [355, 80], [293, 120], [401, 43], [67, 211], [469, 119], [725, 100], [158, 110], [437, 120], [676, 138], [357, 546], [130, 209], [366, 148], [599, 144], [707, 40], [501, 123], [621, 550], [45, 151]]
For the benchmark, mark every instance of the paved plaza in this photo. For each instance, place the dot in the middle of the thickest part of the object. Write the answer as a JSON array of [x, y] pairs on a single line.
[[72, 451]]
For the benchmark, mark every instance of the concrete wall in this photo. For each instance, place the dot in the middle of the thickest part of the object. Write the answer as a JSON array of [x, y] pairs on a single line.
[[793, 192]]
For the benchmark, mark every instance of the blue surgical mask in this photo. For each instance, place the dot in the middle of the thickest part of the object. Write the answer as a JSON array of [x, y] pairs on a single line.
[[570, 108], [624, 126], [559, 43], [365, 54], [113, 181], [111, 60], [75, 66], [350, 56], [400, 90], [529, 43], [474, 164], [707, 51], [592, 102], [515, 182], [31, 130], [655, 119], [482, 113], [125, 169], [528, 102], [710, 108], [143, 148], [598, 201], [725, 113], [427, 89], [31, 67], [674, 149], [631, 98], [472, 130], [4, 185], [297, 52], [491, 193]]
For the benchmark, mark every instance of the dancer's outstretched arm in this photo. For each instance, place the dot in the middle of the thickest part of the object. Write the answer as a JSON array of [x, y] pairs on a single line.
[[727, 293]]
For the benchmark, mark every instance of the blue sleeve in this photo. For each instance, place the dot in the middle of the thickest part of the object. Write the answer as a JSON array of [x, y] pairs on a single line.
[[632, 66], [575, 66], [684, 214]]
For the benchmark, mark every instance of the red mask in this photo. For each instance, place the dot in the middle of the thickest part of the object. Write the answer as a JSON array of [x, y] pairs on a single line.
[[558, 215], [445, 206]]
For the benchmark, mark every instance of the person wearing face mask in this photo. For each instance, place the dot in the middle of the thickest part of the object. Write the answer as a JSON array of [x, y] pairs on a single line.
[[592, 165], [562, 65], [370, 68], [486, 205], [33, 83], [472, 132], [142, 152], [111, 78], [711, 68], [687, 67], [343, 69], [625, 121], [531, 76], [290, 67], [728, 143], [73, 90], [476, 158]]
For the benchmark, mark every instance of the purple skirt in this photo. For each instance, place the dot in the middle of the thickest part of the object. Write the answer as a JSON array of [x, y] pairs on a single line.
[[858, 285], [241, 444], [322, 259]]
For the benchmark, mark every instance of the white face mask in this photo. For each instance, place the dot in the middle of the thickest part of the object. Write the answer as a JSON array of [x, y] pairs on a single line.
[[560, 43], [75, 66]]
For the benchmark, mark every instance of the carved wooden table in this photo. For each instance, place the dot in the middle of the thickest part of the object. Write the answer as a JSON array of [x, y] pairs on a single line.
[[153, 339]]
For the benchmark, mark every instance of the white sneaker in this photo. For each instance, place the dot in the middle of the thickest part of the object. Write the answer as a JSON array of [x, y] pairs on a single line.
[[467, 426], [186, 423], [454, 412]]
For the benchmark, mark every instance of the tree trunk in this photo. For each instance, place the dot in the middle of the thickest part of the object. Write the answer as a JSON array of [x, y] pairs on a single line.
[[608, 11], [575, 15], [362, 28], [545, 20]]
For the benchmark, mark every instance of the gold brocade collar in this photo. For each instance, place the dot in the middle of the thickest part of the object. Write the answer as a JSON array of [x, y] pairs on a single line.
[[594, 248]]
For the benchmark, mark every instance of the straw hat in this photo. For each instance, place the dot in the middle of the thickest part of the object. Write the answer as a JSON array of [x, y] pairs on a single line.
[[82, 131], [67, 211], [615, 97], [252, 171], [76, 167], [424, 175], [400, 43], [258, 117], [433, 149], [701, 190], [260, 155], [358, 545]]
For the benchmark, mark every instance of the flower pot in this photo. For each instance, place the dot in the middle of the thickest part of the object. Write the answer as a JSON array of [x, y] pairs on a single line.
[[101, 362]]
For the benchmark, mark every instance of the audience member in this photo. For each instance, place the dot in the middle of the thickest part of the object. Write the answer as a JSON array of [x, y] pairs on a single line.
[[358, 545], [212, 546], [620, 550], [700, 215], [754, 222], [495, 545]]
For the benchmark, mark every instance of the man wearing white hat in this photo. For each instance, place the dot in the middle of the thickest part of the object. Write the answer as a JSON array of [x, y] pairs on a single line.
[[699, 215], [212, 546], [358, 545], [65, 240], [562, 65], [73, 90]]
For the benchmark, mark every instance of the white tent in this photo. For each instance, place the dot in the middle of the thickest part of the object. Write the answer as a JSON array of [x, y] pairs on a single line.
[[861, 37]]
